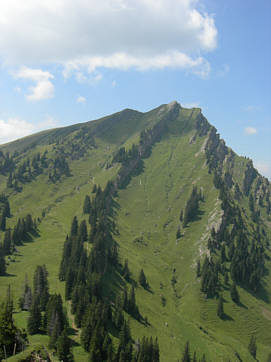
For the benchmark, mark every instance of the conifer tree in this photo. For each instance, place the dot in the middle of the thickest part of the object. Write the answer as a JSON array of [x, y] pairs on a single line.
[[186, 354], [234, 293], [10, 336], [63, 347], [3, 222], [2, 263], [252, 347], [142, 279], [87, 205], [178, 233], [220, 307], [83, 233], [7, 242], [34, 319], [74, 226], [41, 286]]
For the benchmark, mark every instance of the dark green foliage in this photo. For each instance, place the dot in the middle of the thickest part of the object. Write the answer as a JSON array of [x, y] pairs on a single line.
[[41, 286], [26, 298], [148, 351], [249, 177], [143, 280], [2, 222], [2, 263], [94, 189], [23, 230], [74, 226], [55, 318], [34, 319], [192, 206], [186, 354], [63, 347], [126, 271], [7, 243], [83, 232], [178, 233], [234, 293], [226, 278], [59, 167], [87, 205], [209, 278], [252, 347], [12, 339], [220, 307]]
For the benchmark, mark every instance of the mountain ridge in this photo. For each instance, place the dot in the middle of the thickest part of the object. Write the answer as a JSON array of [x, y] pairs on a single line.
[[155, 164]]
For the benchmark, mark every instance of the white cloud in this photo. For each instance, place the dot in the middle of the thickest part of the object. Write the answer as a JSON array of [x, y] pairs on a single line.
[[114, 83], [81, 99], [119, 34], [123, 61], [44, 88], [250, 130], [14, 128]]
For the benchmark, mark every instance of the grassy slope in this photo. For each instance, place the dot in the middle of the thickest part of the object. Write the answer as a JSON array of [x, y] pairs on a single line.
[[149, 208]]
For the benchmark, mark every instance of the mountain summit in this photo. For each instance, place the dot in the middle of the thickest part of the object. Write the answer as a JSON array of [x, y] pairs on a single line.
[[148, 226]]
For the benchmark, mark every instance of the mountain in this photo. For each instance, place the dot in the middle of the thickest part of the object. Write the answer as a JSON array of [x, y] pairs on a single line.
[[164, 195]]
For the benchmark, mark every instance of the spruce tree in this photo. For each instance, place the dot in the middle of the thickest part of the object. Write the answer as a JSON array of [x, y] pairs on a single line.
[[234, 293], [186, 354], [63, 347], [3, 222], [87, 205], [7, 242], [2, 263], [83, 233], [74, 226], [142, 279], [252, 347], [220, 307], [34, 319]]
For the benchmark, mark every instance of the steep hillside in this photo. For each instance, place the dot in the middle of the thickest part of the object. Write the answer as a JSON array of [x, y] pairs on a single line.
[[182, 206]]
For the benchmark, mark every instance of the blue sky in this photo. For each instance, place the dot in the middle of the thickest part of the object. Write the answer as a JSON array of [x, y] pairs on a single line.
[[64, 62]]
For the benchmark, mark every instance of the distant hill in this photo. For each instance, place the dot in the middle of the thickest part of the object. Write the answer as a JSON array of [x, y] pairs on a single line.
[[172, 238]]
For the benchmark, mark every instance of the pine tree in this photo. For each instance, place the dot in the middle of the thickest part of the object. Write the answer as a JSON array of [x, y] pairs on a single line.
[[186, 354], [34, 319], [83, 233], [2, 263], [41, 286], [252, 347], [142, 279], [10, 336], [87, 205], [3, 222], [63, 347], [234, 293], [125, 271], [220, 307], [178, 233], [226, 278], [7, 242], [74, 226]]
